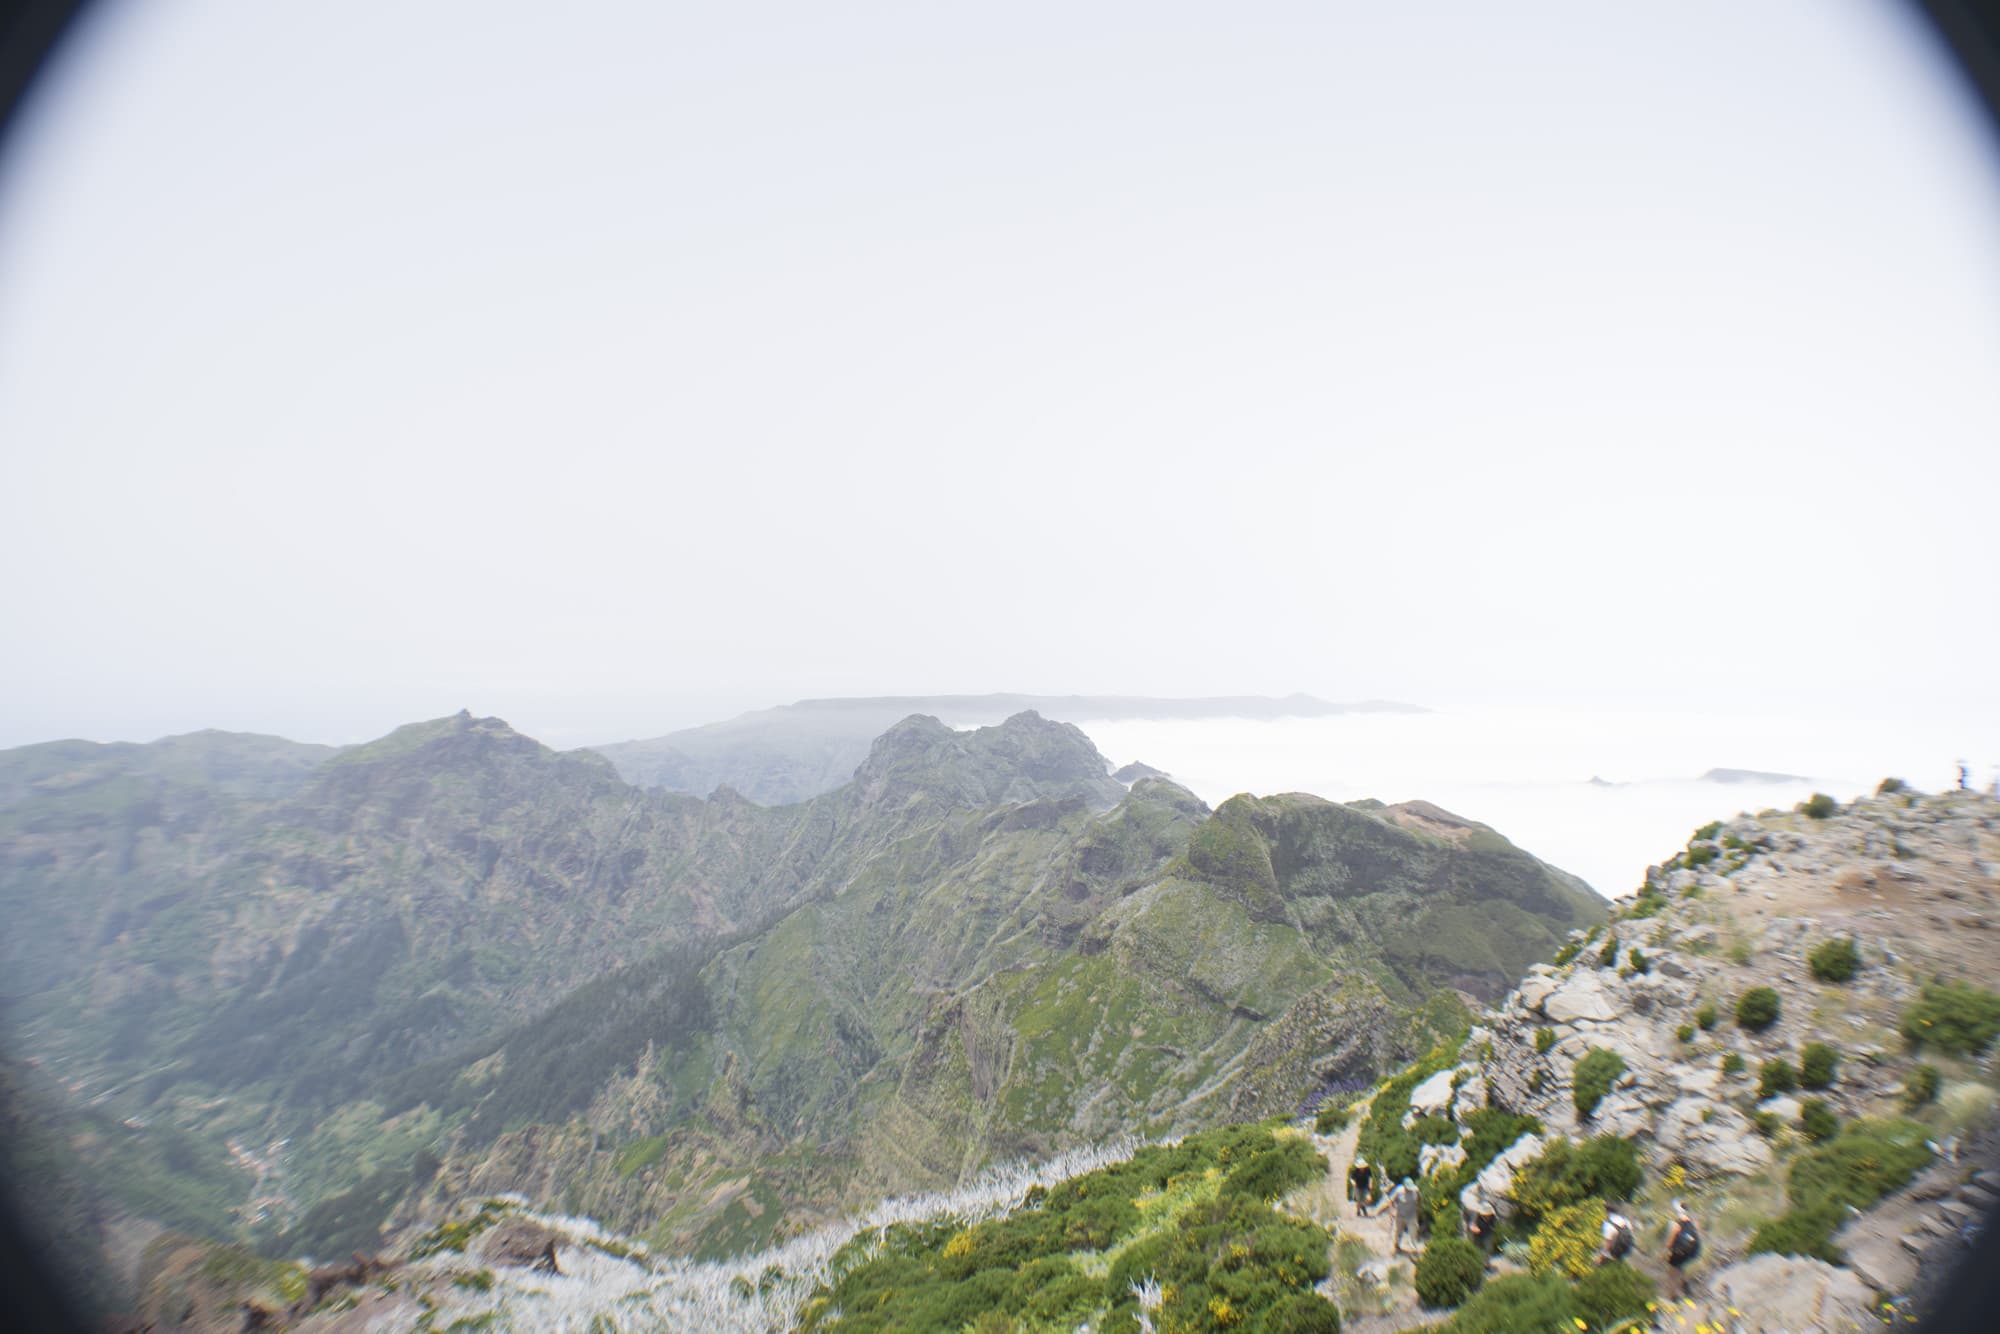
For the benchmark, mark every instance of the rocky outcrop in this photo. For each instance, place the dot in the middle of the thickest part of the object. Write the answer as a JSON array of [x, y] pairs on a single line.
[[1784, 1294]]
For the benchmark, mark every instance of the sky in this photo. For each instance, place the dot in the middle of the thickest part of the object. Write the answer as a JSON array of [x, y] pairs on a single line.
[[617, 367]]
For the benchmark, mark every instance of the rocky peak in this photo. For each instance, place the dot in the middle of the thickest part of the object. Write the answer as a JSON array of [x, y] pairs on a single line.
[[1025, 758]]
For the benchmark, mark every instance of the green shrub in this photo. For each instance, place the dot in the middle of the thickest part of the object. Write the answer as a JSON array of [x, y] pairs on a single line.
[[1609, 954], [1817, 1063], [1920, 1086], [1271, 1172], [1613, 1292], [1685, 1032], [1639, 962], [1603, 1167], [1954, 1017], [1870, 1158], [1819, 806], [1537, 1080], [1701, 854], [1766, 1123], [1806, 1232], [1890, 785], [1834, 960], [1545, 1038], [1568, 952], [1732, 1063], [1777, 1077], [1517, 1303], [1450, 1270], [1706, 833], [1818, 1120], [1757, 1008], [1705, 1016], [1303, 1313], [1593, 1077], [1333, 1118]]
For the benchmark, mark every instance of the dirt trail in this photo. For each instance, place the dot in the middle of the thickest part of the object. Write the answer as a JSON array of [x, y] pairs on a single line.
[[1388, 1302]]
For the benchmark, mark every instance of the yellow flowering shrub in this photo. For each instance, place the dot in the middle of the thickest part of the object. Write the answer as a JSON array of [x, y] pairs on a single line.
[[1567, 1241]]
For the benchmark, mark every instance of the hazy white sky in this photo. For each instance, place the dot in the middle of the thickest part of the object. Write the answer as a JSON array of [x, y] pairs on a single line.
[[608, 366]]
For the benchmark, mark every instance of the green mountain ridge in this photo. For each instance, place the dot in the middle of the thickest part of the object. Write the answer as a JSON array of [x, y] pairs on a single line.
[[453, 961]]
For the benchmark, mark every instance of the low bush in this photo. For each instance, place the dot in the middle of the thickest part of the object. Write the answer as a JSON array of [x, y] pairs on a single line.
[[1566, 1242], [1568, 952], [1603, 1167], [1685, 1032], [1609, 954], [1639, 961], [1818, 1062], [1611, 1293], [1303, 1313], [1516, 1303], [1757, 1008], [1889, 786], [1766, 1122], [1701, 854], [1705, 1016], [1863, 1163], [1817, 1120], [1545, 1038], [1776, 1077], [1450, 1270], [1819, 806], [1807, 1232], [1834, 960], [1593, 1077], [1732, 1063], [1706, 833], [1954, 1017], [1333, 1118], [1920, 1086]]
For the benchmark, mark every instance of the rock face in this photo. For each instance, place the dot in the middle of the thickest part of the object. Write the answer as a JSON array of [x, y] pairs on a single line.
[[1906, 877], [1783, 1294]]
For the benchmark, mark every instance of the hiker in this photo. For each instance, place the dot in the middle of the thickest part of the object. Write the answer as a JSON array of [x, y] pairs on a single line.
[[1357, 1182], [1403, 1202], [1683, 1245], [1617, 1238], [1484, 1225]]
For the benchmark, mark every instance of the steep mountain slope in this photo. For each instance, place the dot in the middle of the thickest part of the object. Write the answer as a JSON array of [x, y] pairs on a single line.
[[1002, 982], [798, 751], [453, 962], [1820, 1207]]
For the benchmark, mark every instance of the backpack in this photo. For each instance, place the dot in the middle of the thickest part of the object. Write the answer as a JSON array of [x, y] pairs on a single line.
[[1621, 1242], [1686, 1243]]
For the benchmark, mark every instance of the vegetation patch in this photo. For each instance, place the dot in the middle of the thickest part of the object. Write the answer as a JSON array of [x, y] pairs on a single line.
[[1834, 960], [1450, 1270], [1777, 1077], [1758, 1008], [1818, 1064], [1865, 1162], [1593, 1077], [1085, 1251], [1954, 1017]]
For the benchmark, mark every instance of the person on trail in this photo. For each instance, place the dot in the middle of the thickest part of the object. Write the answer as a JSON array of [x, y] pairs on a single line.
[[1357, 1182], [1484, 1225], [1618, 1234], [1402, 1202], [1683, 1245]]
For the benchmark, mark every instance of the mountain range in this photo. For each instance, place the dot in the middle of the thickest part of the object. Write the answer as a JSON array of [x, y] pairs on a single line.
[[797, 751], [308, 998]]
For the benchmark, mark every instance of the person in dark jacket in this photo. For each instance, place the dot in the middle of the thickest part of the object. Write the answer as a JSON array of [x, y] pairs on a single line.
[[1357, 1183], [1683, 1245]]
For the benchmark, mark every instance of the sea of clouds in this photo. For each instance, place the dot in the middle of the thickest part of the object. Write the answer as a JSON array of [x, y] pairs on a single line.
[[1530, 773]]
